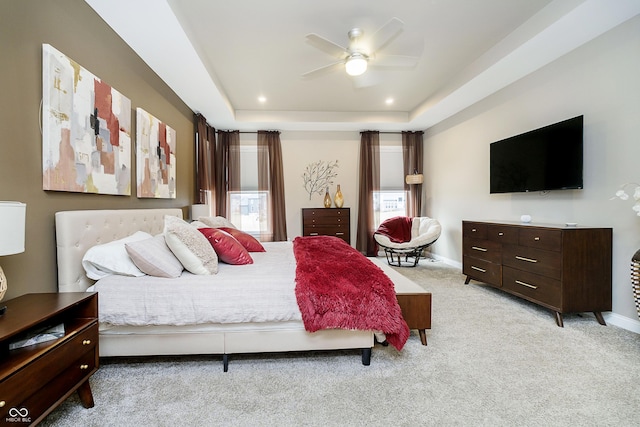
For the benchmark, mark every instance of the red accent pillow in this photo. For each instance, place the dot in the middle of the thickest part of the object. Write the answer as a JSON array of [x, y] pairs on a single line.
[[229, 250], [249, 242]]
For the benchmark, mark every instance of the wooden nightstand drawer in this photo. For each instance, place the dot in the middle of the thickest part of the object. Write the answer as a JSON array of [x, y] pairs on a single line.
[[35, 379], [76, 372], [545, 263], [17, 387], [536, 288], [482, 270]]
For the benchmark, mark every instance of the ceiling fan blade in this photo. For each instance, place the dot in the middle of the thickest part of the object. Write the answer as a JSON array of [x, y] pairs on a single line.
[[386, 34], [327, 46], [324, 69], [399, 61]]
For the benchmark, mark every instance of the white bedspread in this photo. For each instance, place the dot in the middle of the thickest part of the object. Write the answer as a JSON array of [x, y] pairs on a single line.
[[260, 292]]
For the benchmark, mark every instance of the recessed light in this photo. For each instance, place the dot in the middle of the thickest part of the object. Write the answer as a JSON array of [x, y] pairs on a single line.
[[262, 99], [388, 101]]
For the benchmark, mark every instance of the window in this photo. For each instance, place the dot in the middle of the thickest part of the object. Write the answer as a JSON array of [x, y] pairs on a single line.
[[248, 210], [390, 201], [387, 204]]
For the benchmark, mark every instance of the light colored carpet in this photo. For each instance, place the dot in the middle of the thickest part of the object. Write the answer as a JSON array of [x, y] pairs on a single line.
[[492, 360]]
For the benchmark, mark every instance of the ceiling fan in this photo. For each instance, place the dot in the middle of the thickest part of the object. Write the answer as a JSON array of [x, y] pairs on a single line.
[[360, 53]]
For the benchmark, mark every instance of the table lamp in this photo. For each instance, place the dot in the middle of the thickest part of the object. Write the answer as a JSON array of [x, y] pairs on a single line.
[[12, 220]]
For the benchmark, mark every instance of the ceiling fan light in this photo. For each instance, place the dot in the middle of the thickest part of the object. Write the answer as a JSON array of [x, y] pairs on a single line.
[[356, 65]]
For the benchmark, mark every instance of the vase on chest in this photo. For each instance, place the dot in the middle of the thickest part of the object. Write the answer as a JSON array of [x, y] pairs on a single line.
[[327, 199], [338, 200]]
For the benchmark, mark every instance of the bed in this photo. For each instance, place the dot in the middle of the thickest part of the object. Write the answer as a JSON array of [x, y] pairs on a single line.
[[78, 231]]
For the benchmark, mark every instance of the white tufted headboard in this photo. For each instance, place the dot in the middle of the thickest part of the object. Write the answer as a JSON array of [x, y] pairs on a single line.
[[77, 231]]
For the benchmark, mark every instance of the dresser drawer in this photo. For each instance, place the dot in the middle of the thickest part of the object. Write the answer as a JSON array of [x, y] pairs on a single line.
[[483, 271], [550, 240], [534, 287], [482, 249], [17, 387], [324, 230], [475, 230], [325, 216], [502, 233], [546, 263]]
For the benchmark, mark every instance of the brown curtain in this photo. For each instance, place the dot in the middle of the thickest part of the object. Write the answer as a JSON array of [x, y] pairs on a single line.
[[227, 169], [412, 160], [205, 161], [369, 183], [271, 179]]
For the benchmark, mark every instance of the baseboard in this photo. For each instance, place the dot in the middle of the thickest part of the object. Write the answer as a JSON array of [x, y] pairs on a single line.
[[447, 261], [623, 322]]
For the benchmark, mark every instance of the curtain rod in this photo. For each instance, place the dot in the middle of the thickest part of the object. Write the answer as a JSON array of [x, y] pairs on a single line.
[[244, 131], [392, 132]]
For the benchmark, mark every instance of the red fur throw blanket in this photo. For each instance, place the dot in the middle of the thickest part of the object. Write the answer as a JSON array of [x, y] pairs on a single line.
[[338, 287], [397, 229]]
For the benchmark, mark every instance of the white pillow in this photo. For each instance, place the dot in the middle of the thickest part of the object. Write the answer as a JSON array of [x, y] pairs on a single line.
[[190, 246], [153, 257], [198, 224], [216, 222], [112, 258]]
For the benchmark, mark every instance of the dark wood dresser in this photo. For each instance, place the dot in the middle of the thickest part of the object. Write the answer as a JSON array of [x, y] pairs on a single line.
[[36, 378], [566, 269], [327, 222]]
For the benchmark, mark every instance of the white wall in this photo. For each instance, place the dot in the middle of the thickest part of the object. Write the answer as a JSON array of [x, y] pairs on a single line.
[[301, 148], [600, 80]]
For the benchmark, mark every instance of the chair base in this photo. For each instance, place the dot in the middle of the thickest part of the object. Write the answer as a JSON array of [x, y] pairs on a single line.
[[411, 255]]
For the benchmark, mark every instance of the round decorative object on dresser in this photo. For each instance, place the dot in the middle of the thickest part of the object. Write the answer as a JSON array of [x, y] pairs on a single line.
[[327, 199], [338, 200], [525, 218]]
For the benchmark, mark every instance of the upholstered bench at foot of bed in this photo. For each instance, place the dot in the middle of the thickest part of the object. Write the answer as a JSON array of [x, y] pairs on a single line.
[[414, 301]]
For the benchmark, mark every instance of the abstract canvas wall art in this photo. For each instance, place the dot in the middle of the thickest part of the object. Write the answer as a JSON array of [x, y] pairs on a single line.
[[86, 130], [155, 157]]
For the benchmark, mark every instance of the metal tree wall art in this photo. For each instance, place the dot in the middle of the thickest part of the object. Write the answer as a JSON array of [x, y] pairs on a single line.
[[318, 176]]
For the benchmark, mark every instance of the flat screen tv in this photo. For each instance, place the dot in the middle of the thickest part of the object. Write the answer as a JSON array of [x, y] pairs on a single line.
[[549, 158]]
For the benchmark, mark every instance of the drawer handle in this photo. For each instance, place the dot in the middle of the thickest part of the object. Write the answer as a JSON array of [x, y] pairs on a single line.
[[521, 258], [526, 284], [536, 238], [501, 234], [86, 342], [474, 230], [2, 403], [477, 248], [313, 234], [339, 233], [481, 270], [83, 367]]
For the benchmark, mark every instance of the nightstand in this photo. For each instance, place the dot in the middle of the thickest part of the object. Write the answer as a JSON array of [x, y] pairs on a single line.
[[36, 378]]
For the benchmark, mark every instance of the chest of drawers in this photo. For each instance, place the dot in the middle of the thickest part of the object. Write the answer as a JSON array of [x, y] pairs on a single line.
[[327, 222], [566, 269], [35, 379]]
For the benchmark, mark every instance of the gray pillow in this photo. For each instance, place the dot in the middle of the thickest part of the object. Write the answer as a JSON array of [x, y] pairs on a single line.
[[153, 257]]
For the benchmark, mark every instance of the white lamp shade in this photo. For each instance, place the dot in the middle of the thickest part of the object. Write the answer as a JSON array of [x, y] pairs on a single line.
[[200, 210], [12, 221], [416, 178], [356, 65]]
